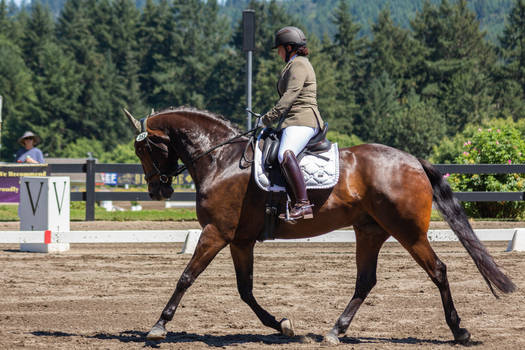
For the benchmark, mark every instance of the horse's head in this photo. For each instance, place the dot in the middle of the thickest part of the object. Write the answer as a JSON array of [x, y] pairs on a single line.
[[158, 159]]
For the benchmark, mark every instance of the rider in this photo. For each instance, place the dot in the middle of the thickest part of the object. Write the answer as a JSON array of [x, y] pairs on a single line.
[[296, 112]]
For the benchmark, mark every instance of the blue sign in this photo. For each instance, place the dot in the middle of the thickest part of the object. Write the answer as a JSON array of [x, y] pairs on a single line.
[[110, 179]]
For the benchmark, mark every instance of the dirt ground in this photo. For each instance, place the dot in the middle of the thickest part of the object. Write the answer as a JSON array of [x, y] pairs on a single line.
[[107, 296]]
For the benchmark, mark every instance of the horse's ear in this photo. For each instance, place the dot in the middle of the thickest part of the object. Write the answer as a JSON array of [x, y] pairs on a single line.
[[133, 121]]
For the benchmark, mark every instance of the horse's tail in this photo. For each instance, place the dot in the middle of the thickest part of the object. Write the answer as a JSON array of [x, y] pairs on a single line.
[[455, 216]]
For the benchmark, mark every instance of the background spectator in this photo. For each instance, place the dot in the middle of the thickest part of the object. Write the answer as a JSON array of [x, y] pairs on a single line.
[[29, 153]]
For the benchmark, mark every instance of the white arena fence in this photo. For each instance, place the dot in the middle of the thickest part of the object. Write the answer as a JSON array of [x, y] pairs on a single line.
[[179, 236]]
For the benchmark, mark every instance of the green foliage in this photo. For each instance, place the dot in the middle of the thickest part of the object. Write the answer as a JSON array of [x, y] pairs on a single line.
[[492, 146], [416, 127], [123, 153], [510, 75], [395, 52], [346, 52], [171, 214], [316, 15], [380, 106], [446, 151], [19, 99], [343, 140], [9, 212], [381, 77], [456, 62], [78, 213]]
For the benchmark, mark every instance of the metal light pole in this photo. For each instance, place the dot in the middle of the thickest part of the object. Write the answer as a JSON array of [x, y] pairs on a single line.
[[248, 46]]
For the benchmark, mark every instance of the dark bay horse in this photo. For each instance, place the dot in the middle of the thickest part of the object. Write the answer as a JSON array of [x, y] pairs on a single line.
[[381, 191]]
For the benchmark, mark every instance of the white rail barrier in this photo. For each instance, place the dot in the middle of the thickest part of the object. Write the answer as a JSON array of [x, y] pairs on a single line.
[[189, 238]]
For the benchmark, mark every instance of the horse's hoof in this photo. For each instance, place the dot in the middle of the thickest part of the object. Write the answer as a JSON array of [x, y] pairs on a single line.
[[287, 327], [331, 339], [462, 337], [157, 333]]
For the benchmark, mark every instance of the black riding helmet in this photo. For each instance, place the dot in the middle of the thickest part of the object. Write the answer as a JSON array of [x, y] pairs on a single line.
[[289, 36]]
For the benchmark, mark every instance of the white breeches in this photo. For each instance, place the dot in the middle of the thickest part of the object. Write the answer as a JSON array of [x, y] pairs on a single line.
[[295, 139]]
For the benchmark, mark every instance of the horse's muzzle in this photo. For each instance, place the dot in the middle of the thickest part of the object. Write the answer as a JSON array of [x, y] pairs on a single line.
[[158, 191]]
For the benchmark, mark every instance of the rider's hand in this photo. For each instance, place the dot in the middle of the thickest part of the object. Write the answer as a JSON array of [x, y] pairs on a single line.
[[266, 120], [259, 123]]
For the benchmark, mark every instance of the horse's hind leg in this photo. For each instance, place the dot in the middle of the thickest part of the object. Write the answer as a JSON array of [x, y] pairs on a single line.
[[242, 255], [210, 243], [425, 256], [369, 239]]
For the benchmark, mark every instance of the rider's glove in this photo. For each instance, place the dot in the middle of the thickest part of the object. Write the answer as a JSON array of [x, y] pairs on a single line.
[[266, 120]]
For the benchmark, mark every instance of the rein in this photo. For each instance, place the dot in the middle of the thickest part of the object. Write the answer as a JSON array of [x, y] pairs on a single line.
[[164, 178], [252, 137]]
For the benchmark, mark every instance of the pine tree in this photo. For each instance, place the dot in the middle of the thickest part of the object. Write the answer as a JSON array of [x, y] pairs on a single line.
[[155, 41], [418, 127], [19, 99], [456, 51], [378, 110], [39, 32], [54, 79], [124, 48], [346, 52], [86, 36], [326, 75], [510, 77], [393, 50]]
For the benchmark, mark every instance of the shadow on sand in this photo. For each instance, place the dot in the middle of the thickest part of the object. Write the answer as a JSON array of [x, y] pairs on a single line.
[[240, 339]]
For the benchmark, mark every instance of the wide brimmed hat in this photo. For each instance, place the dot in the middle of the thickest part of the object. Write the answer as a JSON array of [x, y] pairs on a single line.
[[29, 134]]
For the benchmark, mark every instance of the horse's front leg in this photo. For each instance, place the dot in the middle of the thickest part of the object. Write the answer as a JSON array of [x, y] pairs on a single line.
[[242, 255], [210, 243]]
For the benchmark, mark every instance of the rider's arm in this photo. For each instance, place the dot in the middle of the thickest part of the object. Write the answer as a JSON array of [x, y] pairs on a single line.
[[294, 79]]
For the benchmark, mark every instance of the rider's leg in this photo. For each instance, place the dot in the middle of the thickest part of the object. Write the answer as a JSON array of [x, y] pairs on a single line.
[[293, 141]]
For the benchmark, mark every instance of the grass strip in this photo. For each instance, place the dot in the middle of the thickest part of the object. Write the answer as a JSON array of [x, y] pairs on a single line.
[[10, 213]]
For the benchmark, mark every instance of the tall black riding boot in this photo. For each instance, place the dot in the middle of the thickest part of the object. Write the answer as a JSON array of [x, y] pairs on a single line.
[[295, 180]]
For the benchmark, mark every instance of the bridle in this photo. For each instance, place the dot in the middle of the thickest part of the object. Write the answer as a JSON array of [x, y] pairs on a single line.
[[165, 177]]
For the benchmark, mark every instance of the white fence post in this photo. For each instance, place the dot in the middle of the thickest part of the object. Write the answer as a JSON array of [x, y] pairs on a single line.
[[44, 205], [517, 243], [190, 243]]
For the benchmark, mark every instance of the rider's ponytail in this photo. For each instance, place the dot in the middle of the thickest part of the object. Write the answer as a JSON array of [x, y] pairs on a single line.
[[302, 50]]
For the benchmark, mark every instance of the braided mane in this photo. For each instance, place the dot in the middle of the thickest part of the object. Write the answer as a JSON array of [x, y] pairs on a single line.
[[200, 113]]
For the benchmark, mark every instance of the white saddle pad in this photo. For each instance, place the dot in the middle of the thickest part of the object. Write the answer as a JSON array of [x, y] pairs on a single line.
[[318, 173]]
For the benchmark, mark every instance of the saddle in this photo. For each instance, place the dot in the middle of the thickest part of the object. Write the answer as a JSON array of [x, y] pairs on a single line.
[[269, 148], [272, 139]]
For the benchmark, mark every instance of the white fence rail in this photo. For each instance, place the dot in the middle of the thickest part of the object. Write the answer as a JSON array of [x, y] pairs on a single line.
[[179, 236]]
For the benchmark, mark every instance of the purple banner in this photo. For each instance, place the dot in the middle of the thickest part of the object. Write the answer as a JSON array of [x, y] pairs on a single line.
[[10, 179]]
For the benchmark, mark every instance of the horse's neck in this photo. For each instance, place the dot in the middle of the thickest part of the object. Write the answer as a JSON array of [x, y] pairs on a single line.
[[194, 135]]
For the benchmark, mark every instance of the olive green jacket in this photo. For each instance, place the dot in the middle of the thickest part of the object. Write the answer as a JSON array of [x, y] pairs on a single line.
[[297, 87]]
